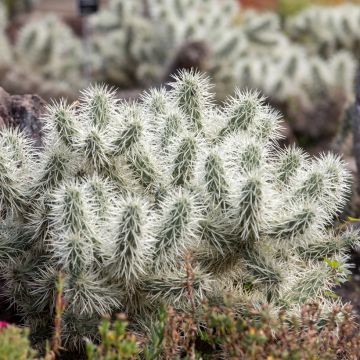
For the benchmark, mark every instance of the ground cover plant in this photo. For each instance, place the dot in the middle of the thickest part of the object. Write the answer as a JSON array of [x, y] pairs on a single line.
[[224, 335], [216, 332], [14, 343], [122, 192]]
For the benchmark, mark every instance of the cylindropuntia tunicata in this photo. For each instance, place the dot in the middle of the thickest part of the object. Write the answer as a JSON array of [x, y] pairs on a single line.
[[49, 47], [122, 192]]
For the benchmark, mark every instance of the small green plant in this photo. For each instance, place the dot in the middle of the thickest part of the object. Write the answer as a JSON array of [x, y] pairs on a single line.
[[15, 344], [222, 334], [115, 342]]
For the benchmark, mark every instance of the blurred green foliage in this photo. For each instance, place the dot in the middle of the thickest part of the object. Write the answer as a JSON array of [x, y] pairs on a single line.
[[15, 344], [15, 6]]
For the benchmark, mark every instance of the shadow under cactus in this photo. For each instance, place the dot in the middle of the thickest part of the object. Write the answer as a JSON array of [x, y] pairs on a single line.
[[350, 291]]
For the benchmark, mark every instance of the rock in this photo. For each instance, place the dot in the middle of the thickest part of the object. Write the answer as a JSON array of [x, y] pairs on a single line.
[[318, 121], [191, 55], [5, 108], [16, 80], [24, 112]]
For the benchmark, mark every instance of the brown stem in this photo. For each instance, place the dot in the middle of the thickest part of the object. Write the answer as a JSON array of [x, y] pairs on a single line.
[[59, 309]]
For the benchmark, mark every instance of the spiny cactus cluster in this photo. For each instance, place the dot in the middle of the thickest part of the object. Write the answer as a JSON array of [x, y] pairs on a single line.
[[123, 192], [308, 76], [127, 47], [263, 29], [212, 23], [48, 47], [46, 60], [327, 29], [293, 74], [246, 49], [134, 44], [151, 35]]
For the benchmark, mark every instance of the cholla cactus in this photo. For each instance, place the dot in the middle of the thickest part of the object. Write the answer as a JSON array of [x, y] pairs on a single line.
[[49, 48], [128, 48], [327, 29], [263, 30], [246, 49], [304, 84], [150, 41], [122, 192], [215, 24], [5, 49], [21, 71], [290, 74], [151, 35]]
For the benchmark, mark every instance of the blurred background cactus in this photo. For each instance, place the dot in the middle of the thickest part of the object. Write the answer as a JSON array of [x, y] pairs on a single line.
[[14, 7], [134, 45], [49, 48], [5, 49], [326, 30], [127, 46], [152, 36], [136, 203]]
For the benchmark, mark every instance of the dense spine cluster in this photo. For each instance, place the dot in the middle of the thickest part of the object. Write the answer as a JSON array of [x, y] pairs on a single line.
[[123, 192]]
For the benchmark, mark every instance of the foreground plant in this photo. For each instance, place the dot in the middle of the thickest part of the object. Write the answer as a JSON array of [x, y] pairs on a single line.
[[217, 332], [116, 342], [224, 335], [15, 344], [123, 192]]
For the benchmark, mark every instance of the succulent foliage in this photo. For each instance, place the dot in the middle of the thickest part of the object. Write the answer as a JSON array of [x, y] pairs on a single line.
[[122, 192]]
